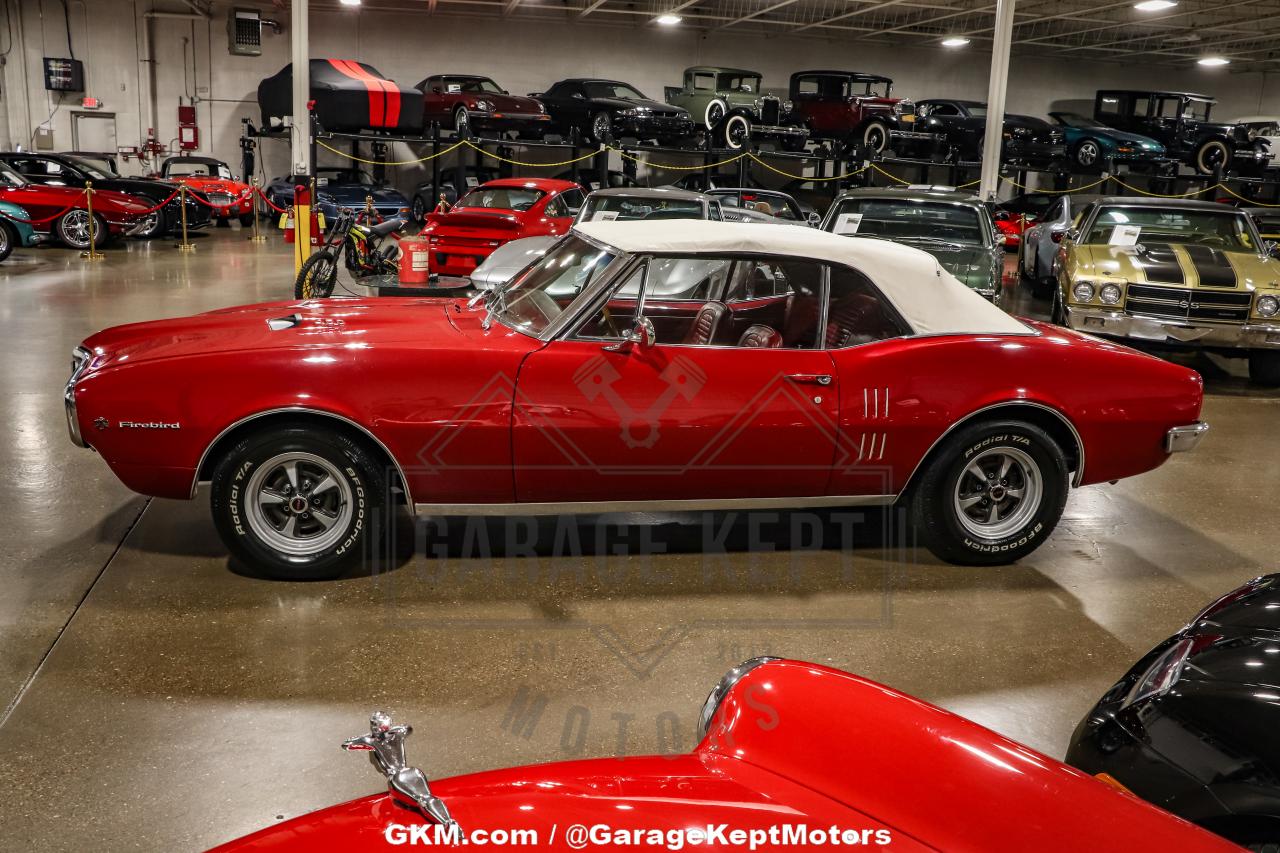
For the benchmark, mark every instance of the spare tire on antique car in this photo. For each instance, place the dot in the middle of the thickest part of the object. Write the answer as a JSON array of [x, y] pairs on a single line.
[[348, 95]]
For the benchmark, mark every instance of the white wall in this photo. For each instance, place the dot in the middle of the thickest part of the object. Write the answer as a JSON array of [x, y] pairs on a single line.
[[108, 35]]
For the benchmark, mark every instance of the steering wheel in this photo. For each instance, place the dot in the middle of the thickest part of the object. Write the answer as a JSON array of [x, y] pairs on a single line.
[[610, 323]]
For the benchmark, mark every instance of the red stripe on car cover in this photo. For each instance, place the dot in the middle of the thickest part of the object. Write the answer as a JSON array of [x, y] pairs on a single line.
[[377, 109], [384, 110]]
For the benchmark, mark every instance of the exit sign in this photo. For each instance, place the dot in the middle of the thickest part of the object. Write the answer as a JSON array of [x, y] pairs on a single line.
[[91, 103]]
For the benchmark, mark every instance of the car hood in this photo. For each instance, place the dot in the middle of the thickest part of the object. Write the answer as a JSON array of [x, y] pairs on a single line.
[[627, 104], [512, 103], [1177, 265], [351, 194], [272, 325]]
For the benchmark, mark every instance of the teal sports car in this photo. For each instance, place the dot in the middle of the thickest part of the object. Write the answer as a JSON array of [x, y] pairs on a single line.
[[1091, 144], [14, 231]]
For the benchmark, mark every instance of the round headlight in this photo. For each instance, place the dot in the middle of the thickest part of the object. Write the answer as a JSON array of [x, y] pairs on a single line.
[[1110, 294], [1268, 306], [1083, 291], [484, 106]]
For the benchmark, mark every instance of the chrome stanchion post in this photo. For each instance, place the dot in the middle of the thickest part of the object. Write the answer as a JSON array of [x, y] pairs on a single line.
[[186, 245], [92, 254], [257, 197]]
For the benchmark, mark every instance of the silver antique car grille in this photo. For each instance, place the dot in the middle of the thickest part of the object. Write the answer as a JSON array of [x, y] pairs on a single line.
[[220, 199], [1182, 303]]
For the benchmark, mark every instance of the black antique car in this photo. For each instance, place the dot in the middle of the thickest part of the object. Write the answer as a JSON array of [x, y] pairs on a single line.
[[1180, 122], [1027, 139], [1192, 727], [66, 170], [601, 110]]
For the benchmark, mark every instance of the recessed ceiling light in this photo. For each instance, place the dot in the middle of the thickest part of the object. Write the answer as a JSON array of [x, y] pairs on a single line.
[[1154, 5], [1214, 61], [955, 41], [668, 20], [349, 2]]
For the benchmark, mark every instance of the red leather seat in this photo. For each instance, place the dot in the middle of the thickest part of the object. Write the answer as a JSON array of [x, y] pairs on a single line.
[[763, 337], [706, 323]]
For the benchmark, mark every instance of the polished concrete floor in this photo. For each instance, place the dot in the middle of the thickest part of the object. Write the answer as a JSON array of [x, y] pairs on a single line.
[[155, 697]]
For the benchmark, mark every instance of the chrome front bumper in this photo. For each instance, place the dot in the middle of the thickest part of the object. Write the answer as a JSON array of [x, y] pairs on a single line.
[[1117, 324], [1180, 439], [80, 359]]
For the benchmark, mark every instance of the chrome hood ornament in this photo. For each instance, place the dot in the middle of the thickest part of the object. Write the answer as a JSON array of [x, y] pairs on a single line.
[[385, 745]]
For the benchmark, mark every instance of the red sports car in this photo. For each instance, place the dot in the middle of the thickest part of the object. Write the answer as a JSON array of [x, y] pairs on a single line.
[[638, 365], [470, 103], [61, 211], [1011, 226], [495, 213], [792, 756], [213, 177]]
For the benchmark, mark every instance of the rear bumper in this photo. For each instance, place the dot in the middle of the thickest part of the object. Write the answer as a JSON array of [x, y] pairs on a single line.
[[1188, 333]]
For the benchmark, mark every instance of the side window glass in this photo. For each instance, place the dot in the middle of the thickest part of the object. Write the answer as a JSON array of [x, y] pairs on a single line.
[[713, 211], [857, 313], [612, 319], [572, 200], [800, 282], [556, 209], [697, 279]]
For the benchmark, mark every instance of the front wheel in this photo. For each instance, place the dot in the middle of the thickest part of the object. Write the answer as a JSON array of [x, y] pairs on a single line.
[[156, 227], [991, 494], [601, 127], [8, 239], [1264, 367], [73, 229], [737, 132], [300, 503], [1088, 154], [875, 136], [1211, 155], [317, 276]]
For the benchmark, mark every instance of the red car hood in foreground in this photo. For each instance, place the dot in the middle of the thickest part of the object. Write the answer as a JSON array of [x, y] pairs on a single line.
[[793, 748], [272, 325]]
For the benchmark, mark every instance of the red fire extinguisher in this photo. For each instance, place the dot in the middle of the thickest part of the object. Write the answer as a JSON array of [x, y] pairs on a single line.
[[415, 260]]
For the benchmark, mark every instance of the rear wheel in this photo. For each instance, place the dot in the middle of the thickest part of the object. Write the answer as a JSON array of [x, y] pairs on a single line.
[[1264, 367], [737, 131], [991, 494], [317, 276], [8, 239], [419, 208], [300, 503]]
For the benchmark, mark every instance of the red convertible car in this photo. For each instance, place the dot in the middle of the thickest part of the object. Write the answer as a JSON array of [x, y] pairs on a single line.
[[497, 212], [792, 756], [61, 212], [213, 177], [678, 364]]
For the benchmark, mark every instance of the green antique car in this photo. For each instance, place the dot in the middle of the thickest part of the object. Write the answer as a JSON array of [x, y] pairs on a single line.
[[954, 227], [729, 103], [14, 231]]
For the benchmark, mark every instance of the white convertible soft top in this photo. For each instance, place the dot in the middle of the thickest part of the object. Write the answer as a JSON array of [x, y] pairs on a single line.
[[927, 296]]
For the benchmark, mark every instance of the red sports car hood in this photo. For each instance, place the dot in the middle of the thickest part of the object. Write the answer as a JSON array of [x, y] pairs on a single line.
[[271, 325], [213, 185], [107, 200]]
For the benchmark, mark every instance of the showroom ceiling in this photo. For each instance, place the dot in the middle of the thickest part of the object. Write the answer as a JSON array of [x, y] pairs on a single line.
[[1243, 31]]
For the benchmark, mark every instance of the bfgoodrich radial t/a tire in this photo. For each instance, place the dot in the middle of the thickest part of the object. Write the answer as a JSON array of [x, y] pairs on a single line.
[[992, 493], [300, 503]]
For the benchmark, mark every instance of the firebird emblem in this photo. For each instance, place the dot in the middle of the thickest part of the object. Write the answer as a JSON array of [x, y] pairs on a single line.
[[101, 423], [597, 377]]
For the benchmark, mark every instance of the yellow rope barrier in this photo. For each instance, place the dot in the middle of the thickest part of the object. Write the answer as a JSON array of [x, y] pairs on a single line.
[[806, 177], [390, 162], [1200, 191], [1011, 182], [669, 167], [493, 156]]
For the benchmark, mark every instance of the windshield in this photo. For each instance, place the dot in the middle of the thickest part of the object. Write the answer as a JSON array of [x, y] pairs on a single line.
[[613, 207], [471, 84], [501, 198], [910, 220], [1076, 120], [89, 169], [739, 82], [601, 89], [547, 288], [10, 177], [773, 205], [183, 170], [346, 176], [1226, 229]]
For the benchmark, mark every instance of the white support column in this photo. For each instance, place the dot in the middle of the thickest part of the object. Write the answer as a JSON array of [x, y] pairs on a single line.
[[999, 86], [301, 58]]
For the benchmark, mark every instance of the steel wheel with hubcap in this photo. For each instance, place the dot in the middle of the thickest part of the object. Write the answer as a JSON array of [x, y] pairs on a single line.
[[737, 130], [1211, 155], [875, 136], [301, 499], [714, 114], [990, 493]]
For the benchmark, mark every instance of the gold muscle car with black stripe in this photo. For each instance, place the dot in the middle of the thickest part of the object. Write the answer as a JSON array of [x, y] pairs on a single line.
[[1176, 273]]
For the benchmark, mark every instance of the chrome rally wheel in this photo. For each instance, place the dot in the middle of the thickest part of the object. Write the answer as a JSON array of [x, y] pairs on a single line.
[[298, 503], [991, 492]]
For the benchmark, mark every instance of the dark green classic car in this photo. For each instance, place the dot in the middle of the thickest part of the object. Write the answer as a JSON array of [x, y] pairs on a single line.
[[954, 227]]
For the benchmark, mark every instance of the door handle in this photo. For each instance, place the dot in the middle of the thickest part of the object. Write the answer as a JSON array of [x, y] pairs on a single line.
[[810, 378]]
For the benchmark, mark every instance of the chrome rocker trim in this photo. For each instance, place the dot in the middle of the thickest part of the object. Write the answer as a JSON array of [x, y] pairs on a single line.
[[1181, 439], [693, 505]]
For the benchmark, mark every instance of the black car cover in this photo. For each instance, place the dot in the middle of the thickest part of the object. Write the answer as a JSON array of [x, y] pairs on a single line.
[[348, 96]]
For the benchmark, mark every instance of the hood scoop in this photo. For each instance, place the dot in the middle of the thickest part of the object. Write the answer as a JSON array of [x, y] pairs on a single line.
[[279, 324]]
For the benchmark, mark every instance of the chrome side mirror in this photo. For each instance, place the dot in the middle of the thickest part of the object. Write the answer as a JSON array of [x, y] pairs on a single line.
[[1273, 248], [814, 219], [641, 335], [1073, 234]]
